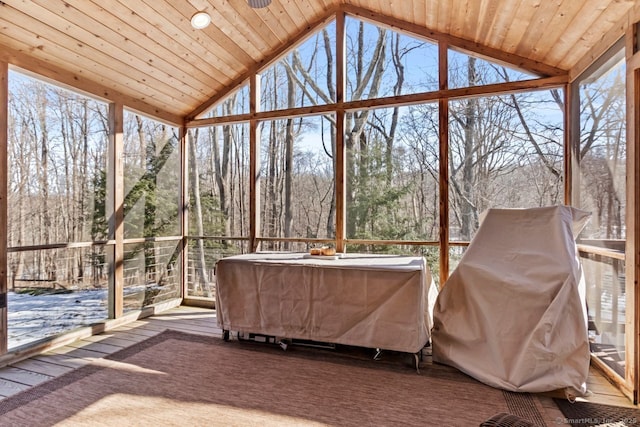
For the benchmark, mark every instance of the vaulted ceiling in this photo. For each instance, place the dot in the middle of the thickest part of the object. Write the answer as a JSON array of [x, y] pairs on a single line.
[[145, 53]]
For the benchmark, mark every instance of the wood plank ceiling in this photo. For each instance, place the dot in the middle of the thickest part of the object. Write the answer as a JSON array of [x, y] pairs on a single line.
[[145, 53]]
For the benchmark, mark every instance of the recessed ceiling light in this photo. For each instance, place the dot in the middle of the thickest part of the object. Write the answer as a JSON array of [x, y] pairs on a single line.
[[200, 20], [257, 4]]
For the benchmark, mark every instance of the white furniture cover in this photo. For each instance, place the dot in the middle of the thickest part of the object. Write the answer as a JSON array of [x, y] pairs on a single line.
[[375, 301], [512, 314]]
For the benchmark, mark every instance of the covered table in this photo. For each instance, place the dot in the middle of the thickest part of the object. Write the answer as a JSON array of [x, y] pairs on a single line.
[[375, 301], [513, 314]]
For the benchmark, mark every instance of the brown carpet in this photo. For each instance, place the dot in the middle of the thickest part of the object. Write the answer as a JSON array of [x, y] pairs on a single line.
[[190, 380]]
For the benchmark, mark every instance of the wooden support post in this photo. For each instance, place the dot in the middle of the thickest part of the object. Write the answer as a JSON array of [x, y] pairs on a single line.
[[4, 189], [632, 249], [183, 211], [443, 118], [340, 160], [115, 209], [254, 164]]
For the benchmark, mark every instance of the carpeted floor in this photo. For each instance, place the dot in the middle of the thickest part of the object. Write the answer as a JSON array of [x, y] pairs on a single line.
[[190, 380]]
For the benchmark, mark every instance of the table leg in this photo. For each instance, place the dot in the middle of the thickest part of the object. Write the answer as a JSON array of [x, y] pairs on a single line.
[[378, 354]]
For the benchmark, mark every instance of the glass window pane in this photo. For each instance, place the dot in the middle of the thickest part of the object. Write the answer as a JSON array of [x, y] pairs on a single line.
[[504, 152], [57, 143], [603, 154], [151, 273], [219, 181], [382, 62], [466, 70], [151, 178], [606, 304], [297, 181], [602, 191], [235, 103], [54, 291], [304, 76], [392, 173]]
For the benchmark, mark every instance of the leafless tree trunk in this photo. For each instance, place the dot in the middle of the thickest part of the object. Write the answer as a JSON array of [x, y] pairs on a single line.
[[222, 164], [289, 139], [194, 180], [43, 124], [355, 122]]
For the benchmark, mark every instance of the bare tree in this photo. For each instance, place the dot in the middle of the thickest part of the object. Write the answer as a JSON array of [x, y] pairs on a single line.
[[194, 179]]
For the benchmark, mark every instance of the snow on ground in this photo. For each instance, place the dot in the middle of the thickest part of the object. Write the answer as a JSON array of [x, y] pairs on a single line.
[[32, 317]]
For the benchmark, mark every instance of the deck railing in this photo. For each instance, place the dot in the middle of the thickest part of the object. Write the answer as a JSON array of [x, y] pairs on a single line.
[[604, 272]]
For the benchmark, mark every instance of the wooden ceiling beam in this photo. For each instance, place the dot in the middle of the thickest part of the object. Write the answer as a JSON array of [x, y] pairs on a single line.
[[74, 82]]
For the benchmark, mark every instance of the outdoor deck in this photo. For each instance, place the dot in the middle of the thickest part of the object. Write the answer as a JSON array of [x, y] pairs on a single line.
[[28, 373]]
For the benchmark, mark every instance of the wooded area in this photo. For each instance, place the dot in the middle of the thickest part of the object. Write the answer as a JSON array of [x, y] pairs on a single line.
[[505, 150]]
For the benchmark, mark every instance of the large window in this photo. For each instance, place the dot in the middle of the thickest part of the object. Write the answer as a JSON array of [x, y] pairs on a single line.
[[152, 189], [297, 179], [151, 178], [504, 152], [218, 178], [381, 62], [392, 174], [602, 152], [304, 76], [57, 189], [602, 156]]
